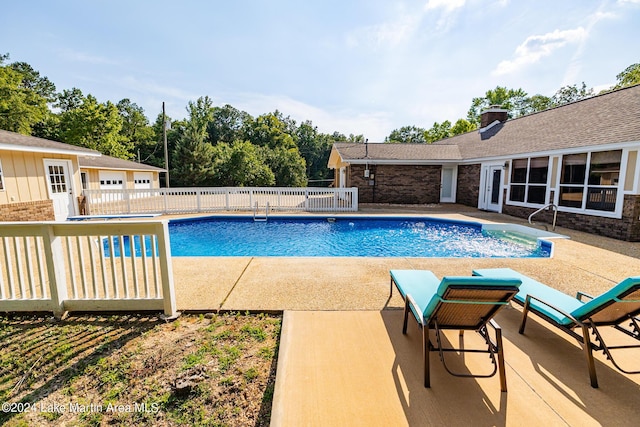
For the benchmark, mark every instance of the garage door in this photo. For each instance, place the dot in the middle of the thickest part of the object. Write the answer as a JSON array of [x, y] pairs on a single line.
[[112, 181], [142, 180]]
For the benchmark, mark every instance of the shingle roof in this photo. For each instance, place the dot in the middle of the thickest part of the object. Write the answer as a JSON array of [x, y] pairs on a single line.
[[31, 143], [610, 118], [400, 152], [108, 162]]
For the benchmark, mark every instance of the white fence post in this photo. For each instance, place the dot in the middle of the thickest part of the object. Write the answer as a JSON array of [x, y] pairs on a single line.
[[54, 257], [166, 272]]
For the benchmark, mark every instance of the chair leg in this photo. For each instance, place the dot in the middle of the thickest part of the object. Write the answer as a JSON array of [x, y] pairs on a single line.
[[586, 344], [501, 368], [406, 316], [425, 356], [525, 311]]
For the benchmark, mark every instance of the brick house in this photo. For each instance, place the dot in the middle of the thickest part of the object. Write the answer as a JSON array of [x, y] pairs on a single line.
[[581, 157], [43, 180]]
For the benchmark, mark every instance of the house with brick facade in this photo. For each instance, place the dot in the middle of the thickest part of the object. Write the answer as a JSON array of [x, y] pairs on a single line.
[[42, 180], [580, 157]]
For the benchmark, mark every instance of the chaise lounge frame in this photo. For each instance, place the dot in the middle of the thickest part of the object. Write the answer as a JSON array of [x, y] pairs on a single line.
[[613, 312], [465, 303]]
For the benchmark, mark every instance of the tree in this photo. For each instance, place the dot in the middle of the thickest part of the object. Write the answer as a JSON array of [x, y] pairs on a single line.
[[94, 125], [629, 77], [69, 100], [513, 100], [438, 131], [314, 148], [572, 93], [192, 160], [538, 103], [21, 107], [31, 80], [241, 164], [135, 127], [407, 134], [462, 126], [228, 124]]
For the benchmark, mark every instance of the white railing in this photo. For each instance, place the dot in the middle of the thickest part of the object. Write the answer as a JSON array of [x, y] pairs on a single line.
[[212, 199], [86, 266]]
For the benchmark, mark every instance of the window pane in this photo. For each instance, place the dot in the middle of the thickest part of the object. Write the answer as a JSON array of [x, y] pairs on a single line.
[[519, 171], [573, 168], [538, 170], [602, 199], [605, 168], [517, 193], [571, 197], [537, 194]]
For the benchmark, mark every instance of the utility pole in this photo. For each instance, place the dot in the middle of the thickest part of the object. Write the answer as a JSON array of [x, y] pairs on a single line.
[[166, 152]]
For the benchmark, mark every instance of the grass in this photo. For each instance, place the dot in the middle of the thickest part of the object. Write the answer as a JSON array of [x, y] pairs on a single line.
[[137, 370]]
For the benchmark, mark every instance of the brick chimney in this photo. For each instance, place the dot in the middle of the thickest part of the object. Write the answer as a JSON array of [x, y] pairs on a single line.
[[493, 113]]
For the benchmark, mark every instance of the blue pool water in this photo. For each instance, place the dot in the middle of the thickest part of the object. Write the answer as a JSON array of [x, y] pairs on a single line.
[[344, 237]]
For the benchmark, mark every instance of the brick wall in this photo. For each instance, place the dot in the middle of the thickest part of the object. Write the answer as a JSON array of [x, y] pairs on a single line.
[[626, 228], [468, 185], [401, 184], [41, 210]]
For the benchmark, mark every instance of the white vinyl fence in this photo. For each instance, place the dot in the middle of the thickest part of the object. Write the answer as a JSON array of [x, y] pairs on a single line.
[[86, 266], [212, 199]]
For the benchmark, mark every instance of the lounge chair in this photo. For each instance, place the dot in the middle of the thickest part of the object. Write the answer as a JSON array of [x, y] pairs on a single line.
[[616, 307], [463, 303]]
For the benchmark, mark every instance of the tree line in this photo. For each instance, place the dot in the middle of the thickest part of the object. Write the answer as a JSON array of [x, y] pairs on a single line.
[[221, 145]]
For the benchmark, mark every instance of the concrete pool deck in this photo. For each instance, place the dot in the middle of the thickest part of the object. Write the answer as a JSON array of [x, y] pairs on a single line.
[[344, 361]]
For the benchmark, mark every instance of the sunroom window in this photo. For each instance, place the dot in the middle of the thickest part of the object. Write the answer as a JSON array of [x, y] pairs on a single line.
[[1, 178], [595, 190], [529, 180]]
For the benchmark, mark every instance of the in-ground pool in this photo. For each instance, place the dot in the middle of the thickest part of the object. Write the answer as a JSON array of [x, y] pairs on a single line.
[[347, 237]]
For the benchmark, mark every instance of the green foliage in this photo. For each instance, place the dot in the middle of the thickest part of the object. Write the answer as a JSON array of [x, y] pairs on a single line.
[[192, 160], [629, 77], [21, 107], [572, 93], [462, 126], [241, 164], [438, 131], [513, 100], [95, 125], [407, 134]]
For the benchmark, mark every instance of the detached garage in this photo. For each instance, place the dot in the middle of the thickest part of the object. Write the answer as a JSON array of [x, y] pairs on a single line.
[[110, 173]]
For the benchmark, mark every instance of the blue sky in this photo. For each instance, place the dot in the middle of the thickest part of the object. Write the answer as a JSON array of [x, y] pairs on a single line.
[[362, 66]]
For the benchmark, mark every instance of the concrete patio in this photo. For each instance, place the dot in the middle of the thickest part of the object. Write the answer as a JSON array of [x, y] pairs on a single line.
[[344, 361]]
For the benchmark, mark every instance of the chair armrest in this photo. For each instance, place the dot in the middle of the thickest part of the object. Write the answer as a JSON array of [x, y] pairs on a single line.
[[579, 295], [415, 309], [559, 310]]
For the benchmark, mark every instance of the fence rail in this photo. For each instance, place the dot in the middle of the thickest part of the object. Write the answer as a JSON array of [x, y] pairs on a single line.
[[212, 199], [86, 266]]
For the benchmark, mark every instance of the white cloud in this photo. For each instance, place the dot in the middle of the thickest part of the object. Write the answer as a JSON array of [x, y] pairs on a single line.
[[624, 2], [447, 5], [536, 47]]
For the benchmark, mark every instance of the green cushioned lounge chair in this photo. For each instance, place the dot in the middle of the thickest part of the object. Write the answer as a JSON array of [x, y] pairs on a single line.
[[618, 308], [462, 303]]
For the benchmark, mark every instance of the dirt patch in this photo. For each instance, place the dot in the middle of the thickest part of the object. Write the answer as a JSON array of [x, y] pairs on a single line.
[[134, 370]]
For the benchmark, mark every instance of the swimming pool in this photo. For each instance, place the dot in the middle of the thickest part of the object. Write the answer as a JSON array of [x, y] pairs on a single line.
[[348, 237]]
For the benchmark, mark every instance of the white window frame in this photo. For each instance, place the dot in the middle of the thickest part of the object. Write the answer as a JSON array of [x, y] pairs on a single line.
[[527, 184], [617, 212]]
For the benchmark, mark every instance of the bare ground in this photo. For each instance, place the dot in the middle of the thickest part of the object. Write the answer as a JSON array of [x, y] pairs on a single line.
[[217, 370]]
